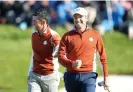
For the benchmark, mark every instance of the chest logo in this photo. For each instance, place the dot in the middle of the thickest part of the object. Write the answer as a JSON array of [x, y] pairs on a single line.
[[45, 42], [91, 39]]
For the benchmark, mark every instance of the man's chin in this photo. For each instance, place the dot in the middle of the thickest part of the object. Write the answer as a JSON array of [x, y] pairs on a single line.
[[78, 26]]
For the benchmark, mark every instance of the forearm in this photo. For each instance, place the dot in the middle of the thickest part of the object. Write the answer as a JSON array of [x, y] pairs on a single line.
[[55, 51], [64, 61], [105, 68]]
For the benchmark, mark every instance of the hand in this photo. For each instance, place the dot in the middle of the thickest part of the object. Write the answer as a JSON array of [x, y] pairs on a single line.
[[106, 84], [106, 87], [77, 64]]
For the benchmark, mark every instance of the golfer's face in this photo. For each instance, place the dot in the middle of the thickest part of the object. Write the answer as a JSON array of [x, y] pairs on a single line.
[[79, 20], [37, 23]]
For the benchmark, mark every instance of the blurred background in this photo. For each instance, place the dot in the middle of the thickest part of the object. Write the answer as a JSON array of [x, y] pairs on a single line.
[[113, 19]]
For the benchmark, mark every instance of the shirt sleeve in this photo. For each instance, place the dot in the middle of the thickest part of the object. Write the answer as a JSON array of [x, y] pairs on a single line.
[[103, 56], [63, 60], [56, 39], [55, 42]]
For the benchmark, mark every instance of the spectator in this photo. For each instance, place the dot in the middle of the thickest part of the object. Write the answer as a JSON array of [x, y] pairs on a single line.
[[130, 20], [126, 26], [52, 12], [117, 13], [64, 11], [7, 14]]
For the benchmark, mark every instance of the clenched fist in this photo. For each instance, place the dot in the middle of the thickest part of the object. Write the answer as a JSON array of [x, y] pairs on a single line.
[[77, 64]]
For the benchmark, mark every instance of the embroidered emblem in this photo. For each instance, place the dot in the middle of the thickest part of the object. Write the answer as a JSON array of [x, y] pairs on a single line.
[[91, 39], [45, 42]]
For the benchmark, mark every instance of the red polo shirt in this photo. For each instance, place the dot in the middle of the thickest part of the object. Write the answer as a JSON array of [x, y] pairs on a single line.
[[75, 46], [43, 47]]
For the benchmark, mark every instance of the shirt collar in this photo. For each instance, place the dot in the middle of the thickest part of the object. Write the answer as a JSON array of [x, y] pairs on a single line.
[[44, 33]]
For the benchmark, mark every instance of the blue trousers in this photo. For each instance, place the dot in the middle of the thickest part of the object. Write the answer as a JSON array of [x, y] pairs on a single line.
[[80, 82]]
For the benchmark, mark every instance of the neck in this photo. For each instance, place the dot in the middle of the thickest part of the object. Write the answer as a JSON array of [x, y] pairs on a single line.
[[81, 29]]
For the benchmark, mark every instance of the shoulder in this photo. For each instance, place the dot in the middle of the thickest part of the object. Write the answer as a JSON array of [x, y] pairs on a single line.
[[94, 32], [54, 34], [69, 33], [34, 34]]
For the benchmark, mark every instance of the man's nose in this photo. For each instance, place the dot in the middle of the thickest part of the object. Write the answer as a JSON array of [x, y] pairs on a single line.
[[78, 19]]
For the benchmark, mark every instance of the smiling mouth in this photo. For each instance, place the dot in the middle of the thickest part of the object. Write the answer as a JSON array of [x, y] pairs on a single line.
[[78, 23]]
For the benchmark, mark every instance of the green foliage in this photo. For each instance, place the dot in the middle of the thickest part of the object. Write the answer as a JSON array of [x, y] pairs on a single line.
[[15, 52]]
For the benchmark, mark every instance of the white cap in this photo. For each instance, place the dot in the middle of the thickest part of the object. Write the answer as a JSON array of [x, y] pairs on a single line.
[[80, 11]]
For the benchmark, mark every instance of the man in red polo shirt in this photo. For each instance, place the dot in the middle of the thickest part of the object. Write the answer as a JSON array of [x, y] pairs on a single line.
[[43, 73], [77, 52]]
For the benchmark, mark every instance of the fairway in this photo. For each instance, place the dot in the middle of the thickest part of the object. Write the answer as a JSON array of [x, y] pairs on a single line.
[[15, 52]]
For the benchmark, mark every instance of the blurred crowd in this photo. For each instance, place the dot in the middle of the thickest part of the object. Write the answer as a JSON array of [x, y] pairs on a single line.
[[103, 15]]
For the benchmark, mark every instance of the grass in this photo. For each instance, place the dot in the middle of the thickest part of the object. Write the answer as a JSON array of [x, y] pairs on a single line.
[[119, 51], [15, 52]]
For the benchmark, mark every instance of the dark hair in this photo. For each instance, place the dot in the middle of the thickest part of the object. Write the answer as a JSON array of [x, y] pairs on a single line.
[[42, 14]]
